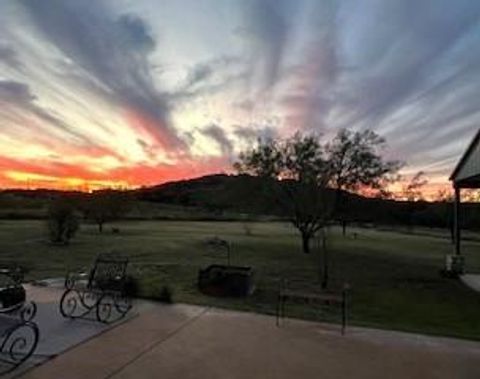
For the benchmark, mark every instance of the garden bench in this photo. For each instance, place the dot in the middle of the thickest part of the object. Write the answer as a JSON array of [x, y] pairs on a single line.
[[18, 333], [101, 294], [323, 297]]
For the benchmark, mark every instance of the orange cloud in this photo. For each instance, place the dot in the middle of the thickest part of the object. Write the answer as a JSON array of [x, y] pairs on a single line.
[[58, 175]]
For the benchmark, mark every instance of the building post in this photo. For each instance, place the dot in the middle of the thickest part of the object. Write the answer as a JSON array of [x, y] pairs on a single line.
[[456, 220]]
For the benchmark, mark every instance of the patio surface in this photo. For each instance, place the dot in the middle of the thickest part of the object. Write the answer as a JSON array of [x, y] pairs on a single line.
[[57, 334], [472, 280], [183, 341]]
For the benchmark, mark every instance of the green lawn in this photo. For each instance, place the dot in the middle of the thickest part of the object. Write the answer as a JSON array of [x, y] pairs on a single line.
[[394, 276]]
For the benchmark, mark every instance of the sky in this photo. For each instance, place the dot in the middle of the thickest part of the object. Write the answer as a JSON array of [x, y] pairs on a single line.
[[119, 93]]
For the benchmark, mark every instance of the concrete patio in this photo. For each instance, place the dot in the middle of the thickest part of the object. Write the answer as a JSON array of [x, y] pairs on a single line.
[[183, 341], [57, 334], [472, 281]]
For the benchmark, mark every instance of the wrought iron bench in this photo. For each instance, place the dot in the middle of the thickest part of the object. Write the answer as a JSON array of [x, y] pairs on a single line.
[[19, 335], [100, 294], [322, 297]]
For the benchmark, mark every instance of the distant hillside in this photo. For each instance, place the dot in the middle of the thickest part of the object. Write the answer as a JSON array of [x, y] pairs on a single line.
[[241, 193], [246, 194], [233, 196]]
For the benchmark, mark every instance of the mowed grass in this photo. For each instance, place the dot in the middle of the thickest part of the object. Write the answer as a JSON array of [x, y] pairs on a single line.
[[394, 277]]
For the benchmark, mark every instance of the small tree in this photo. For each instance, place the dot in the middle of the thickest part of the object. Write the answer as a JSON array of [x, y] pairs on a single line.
[[412, 191], [106, 206], [63, 222], [355, 162]]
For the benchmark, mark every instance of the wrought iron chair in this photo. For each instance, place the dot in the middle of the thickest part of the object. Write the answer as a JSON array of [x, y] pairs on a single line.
[[19, 335], [100, 294]]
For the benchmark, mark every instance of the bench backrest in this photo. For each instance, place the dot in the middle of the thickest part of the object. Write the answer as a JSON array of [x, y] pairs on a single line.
[[108, 273], [11, 273]]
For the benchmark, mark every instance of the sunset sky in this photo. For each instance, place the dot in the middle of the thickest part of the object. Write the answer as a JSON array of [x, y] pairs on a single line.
[[127, 93]]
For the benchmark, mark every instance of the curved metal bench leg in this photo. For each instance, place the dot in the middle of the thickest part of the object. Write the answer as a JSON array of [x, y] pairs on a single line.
[[123, 304], [76, 303], [68, 304], [112, 307], [104, 308], [18, 345]]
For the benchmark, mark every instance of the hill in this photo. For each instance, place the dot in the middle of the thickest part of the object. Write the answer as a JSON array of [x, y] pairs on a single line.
[[223, 196], [240, 193], [246, 194]]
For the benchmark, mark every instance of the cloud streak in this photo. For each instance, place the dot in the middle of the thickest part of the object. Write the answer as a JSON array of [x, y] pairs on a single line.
[[18, 95], [114, 51], [8, 56]]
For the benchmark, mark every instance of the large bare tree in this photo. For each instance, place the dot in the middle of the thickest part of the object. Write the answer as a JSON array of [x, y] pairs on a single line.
[[296, 174], [300, 170]]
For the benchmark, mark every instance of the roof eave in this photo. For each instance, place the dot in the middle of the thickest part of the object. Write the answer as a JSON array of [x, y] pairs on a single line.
[[459, 165]]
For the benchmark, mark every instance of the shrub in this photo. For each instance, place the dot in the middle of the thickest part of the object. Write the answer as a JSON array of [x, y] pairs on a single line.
[[63, 222], [166, 294], [131, 286]]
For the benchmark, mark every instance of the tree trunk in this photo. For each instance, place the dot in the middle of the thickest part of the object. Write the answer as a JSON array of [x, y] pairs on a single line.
[[340, 210], [100, 227], [325, 268], [306, 242]]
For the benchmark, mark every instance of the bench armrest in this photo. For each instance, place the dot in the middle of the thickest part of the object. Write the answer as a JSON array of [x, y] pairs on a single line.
[[73, 278], [15, 274]]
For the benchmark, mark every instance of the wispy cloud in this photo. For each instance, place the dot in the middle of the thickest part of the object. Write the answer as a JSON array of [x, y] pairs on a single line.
[[216, 133], [114, 50], [8, 56], [17, 96]]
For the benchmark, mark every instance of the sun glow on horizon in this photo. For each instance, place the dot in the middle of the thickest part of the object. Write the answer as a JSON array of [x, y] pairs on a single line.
[[33, 181], [29, 180]]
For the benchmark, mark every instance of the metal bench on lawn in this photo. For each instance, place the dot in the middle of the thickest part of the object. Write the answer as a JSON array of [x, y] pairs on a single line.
[[323, 297]]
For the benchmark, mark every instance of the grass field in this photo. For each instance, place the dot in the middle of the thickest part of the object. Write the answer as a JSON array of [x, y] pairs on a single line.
[[394, 276]]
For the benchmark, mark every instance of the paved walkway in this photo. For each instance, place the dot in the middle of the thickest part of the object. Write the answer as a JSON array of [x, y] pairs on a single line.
[[57, 334], [182, 341], [472, 280]]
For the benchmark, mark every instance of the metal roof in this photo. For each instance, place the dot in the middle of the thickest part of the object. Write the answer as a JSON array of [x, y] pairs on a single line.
[[467, 171]]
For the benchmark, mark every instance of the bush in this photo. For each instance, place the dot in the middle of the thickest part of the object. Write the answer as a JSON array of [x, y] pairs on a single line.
[[131, 286], [166, 294], [63, 221]]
